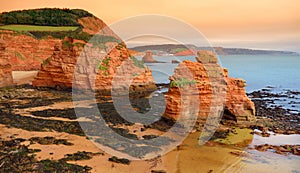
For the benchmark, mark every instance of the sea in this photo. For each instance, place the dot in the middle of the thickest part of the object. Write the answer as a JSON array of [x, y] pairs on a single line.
[[272, 73], [259, 71]]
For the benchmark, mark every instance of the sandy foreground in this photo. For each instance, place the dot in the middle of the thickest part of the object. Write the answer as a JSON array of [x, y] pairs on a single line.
[[207, 158], [23, 77]]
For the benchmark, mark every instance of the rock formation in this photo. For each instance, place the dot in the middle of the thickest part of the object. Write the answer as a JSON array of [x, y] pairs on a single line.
[[92, 68], [5, 67], [26, 52], [189, 52], [148, 58], [199, 80]]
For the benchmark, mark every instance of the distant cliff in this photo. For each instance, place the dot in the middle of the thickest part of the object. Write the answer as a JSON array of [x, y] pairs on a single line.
[[183, 50]]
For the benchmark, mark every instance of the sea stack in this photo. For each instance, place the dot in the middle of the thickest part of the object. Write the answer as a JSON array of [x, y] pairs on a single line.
[[148, 58], [5, 67], [237, 105]]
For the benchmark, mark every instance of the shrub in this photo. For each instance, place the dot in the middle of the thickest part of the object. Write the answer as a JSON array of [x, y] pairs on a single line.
[[182, 82]]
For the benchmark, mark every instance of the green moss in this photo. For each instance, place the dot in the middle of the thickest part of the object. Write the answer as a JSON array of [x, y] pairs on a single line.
[[137, 63], [46, 61], [239, 137], [135, 74], [78, 44], [67, 44], [20, 56], [106, 61], [182, 82]]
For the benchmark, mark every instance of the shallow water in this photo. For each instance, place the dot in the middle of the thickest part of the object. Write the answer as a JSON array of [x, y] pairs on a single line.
[[195, 158], [275, 73]]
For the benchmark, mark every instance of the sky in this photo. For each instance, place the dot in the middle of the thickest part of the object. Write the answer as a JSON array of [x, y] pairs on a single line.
[[261, 24]]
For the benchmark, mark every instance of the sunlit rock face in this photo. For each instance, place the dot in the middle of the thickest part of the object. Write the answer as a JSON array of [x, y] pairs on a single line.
[[73, 65], [205, 81]]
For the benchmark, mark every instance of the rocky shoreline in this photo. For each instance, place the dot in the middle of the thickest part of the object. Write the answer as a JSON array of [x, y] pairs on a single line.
[[274, 117], [44, 117]]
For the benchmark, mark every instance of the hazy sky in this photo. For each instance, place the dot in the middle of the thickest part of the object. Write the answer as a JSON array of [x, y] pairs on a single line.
[[264, 24]]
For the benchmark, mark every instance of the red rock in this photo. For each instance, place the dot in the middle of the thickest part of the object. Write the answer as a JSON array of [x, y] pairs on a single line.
[[148, 58], [188, 52], [26, 52], [5, 67], [206, 72], [75, 66]]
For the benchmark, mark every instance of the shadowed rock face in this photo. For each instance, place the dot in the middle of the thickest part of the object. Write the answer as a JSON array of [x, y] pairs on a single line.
[[195, 79], [5, 67]]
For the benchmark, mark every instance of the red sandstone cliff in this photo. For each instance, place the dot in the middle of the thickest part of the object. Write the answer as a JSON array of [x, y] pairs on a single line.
[[26, 52], [5, 67], [205, 81], [92, 68]]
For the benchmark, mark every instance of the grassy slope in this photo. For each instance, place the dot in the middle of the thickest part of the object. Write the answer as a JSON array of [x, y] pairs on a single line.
[[38, 28]]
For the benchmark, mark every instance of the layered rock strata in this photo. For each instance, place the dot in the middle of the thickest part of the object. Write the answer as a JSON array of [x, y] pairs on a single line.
[[93, 68], [206, 82], [26, 52], [5, 67]]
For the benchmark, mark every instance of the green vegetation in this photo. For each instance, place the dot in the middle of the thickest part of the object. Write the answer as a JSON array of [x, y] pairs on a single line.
[[20, 28], [135, 74], [100, 40], [176, 50], [182, 82], [104, 66], [240, 136], [20, 56], [137, 63], [106, 61], [44, 16], [77, 34], [46, 61], [67, 44]]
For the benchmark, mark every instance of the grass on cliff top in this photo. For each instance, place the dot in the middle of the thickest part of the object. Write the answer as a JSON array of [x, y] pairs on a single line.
[[38, 28]]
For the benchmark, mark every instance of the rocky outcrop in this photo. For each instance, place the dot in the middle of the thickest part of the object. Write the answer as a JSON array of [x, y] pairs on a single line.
[[148, 58], [5, 67], [188, 52], [93, 25], [93, 68], [26, 52], [207, 82]]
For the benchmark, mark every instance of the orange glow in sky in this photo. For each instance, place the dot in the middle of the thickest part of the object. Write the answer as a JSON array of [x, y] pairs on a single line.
[[265, 24]]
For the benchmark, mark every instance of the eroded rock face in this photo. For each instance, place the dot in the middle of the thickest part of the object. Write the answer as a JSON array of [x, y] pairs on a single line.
[[94, 25], [207, 82], [93, 68], [25, 52], [5, 67]]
